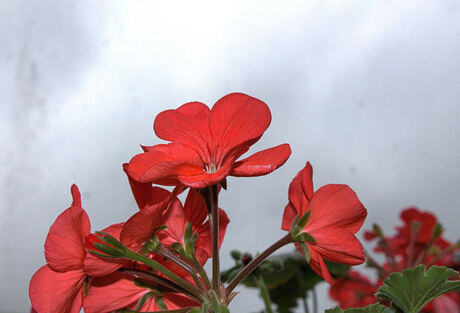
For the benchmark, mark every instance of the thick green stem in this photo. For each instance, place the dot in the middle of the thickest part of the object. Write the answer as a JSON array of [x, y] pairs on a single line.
[[165, 271], [256, 261]]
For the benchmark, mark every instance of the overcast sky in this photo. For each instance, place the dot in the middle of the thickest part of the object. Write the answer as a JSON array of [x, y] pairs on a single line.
[[368, 91]]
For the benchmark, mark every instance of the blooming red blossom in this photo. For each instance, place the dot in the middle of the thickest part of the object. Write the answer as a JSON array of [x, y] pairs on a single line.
[[205, 144], [353, 291], [336, 215], [58, 286]]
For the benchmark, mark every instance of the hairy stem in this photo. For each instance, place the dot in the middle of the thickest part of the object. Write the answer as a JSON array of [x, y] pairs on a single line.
[[165, 252], [162, 269], [214, 224]]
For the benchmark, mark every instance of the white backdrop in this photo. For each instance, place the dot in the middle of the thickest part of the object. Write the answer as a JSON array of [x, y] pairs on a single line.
[[368, 91]]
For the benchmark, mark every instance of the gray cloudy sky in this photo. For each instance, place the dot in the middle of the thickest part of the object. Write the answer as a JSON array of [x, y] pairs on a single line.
[[368, 91]]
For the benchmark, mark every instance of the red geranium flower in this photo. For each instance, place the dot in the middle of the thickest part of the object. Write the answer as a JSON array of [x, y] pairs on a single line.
[[336, 215], [205, 144], [58, 286], [353, 291]]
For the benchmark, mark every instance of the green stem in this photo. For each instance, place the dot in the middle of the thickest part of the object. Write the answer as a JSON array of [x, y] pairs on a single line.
[[256, 261], [265, 294], [202, 273], [165, 271], [163, 251]]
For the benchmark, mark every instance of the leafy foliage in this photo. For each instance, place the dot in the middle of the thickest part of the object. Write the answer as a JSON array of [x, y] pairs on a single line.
[[412, 289], [287, 276]]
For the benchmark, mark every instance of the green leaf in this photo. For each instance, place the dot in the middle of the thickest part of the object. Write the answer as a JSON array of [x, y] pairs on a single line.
[[412, 289], [373, 308]]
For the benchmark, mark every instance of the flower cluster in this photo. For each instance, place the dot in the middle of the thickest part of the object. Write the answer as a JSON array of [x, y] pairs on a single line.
[[154, 260], [418, 240]]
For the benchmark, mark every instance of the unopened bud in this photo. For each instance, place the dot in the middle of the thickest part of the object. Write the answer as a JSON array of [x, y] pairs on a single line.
[[104, 245], [236, 255], [377, 230]]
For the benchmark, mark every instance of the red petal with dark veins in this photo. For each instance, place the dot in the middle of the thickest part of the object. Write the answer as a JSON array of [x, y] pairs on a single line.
[[56, 292], [65, 243], [189, 125], [236, 119], [98, 266], [262, 162], [164, 163]]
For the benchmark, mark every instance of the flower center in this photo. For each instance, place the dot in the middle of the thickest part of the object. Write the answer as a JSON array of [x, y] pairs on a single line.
[[211, 168]]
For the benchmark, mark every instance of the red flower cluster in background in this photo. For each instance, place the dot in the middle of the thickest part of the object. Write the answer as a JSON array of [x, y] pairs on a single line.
[[418, 240]]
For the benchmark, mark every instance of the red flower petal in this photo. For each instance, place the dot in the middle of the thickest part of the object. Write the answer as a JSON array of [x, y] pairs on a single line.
[[204, 179], [262, 162], [55, 292], [145, 193], [288, 216], [112, 292], [174, 218], [140, 227], [300, 194], [188, 125], [318, 266], [339, 246], [204, 242], [237, 119], [195, 210], [65, 243], [97, 266], [163, 163], [335, 206]]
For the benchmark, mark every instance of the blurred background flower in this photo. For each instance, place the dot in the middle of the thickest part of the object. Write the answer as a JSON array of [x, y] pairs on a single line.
[[367, 91]]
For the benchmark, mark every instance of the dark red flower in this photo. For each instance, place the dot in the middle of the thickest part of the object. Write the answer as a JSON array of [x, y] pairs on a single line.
[[205, 144], [353, 291], [336, 215]]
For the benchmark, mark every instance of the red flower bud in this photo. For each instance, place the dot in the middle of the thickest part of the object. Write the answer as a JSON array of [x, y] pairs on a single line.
[[91, 239], [104, 245]]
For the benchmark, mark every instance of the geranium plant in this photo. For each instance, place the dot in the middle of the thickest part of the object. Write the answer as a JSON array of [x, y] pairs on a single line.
[[153, 262]]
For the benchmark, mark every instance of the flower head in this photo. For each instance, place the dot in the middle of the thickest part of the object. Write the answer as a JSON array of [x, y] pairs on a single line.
[[335, 215], [206, 143]]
